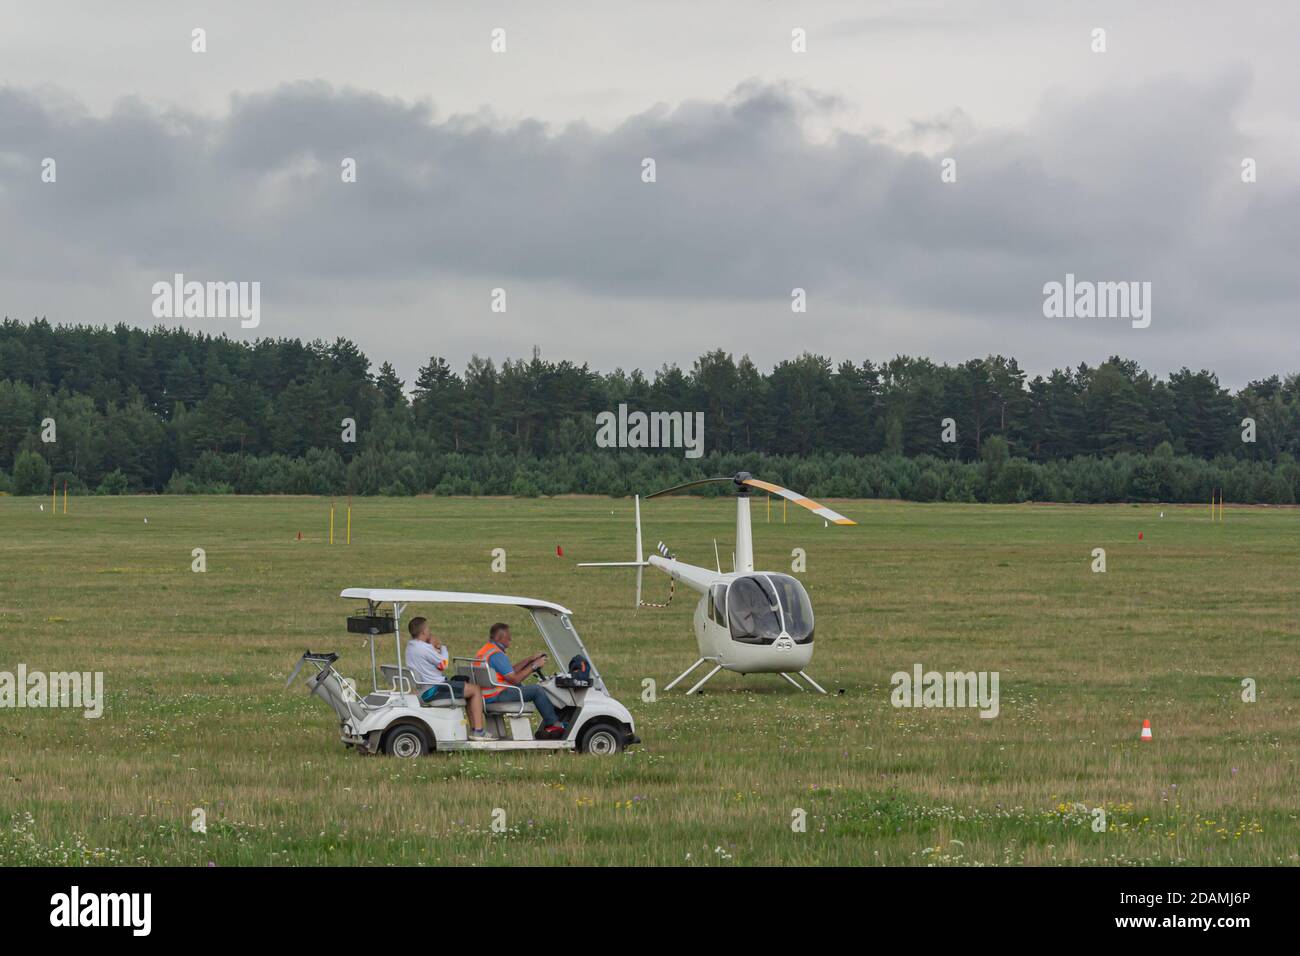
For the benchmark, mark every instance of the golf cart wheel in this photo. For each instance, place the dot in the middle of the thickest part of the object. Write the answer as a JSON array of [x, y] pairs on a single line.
[[601, 740], [406, 740]]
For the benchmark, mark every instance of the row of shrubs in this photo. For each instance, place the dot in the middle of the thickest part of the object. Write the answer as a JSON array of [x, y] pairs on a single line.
[[1160, 476]]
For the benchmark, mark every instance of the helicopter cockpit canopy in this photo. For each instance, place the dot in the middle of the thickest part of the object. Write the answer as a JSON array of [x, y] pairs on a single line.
[[760, 605]]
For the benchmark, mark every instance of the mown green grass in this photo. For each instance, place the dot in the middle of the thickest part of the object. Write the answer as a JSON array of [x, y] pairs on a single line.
[[197, 717]]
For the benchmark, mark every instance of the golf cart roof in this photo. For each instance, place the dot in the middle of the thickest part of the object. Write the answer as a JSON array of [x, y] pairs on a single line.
[[403, 596]]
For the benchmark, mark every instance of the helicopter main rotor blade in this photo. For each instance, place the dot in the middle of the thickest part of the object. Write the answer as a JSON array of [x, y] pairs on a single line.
[[818, 509], [689, 484]]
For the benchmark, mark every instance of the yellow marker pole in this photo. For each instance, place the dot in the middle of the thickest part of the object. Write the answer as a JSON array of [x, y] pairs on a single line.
[[349, 541], [331, 521], [785, 506]]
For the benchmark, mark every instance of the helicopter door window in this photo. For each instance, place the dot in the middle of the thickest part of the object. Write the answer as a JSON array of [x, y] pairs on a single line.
[[753, 611], [718, 604]]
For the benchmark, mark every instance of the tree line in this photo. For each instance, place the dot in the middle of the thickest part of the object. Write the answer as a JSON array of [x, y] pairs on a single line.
[[169, 410]]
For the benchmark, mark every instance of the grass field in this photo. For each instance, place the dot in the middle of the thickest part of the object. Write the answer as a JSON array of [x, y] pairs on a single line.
[[197, 717]]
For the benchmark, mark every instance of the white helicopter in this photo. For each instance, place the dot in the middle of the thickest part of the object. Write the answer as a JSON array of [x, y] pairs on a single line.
[[748, 622]]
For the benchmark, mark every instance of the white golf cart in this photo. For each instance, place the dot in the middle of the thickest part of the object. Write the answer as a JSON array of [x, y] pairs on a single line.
[[392, 719]]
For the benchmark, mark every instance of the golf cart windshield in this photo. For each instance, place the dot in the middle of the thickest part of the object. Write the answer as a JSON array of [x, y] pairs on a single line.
[[563, 641]]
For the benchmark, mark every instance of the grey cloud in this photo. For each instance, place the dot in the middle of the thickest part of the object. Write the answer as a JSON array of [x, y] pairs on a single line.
[[1138, 183]]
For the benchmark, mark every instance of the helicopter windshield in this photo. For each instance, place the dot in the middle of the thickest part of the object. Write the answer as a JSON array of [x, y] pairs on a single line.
[[753, 610], [759, 605], [796, 608]]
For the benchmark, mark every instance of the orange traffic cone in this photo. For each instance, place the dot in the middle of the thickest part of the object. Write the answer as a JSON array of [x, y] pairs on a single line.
[[1146, 732]]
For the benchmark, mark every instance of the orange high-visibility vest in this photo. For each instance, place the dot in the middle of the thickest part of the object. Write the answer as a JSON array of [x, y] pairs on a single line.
[[485, 654]]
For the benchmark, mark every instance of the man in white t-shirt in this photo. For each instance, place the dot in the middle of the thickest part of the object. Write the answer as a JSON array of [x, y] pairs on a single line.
[[426, 659]]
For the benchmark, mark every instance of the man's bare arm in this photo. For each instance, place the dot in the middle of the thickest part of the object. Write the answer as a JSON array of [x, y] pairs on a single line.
[[523, 669]]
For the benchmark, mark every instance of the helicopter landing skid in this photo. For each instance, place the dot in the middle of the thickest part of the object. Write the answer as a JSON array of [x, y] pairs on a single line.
[[678, 679], [704, 680], [816, 686]]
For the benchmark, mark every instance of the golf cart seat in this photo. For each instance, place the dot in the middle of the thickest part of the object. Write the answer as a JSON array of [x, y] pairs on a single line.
[[401, 679], [509, 700], [404, 682]]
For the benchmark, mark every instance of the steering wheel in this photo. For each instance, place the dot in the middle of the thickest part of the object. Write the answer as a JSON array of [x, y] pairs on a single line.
[[539, 675]]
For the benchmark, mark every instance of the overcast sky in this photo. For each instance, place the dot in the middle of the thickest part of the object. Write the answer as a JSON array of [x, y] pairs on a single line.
[[775, 170]]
